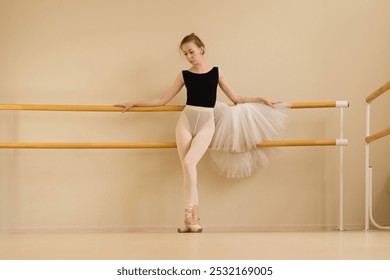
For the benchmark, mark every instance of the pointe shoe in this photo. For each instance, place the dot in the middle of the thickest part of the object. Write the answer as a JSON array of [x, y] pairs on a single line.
[[195, 227], [191, 221], [183, 229]]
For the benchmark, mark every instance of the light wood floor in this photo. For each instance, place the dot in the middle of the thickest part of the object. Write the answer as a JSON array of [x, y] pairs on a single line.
[[325, 245]]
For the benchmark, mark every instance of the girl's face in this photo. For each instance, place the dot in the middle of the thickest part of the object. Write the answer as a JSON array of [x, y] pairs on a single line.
[[192, 52]]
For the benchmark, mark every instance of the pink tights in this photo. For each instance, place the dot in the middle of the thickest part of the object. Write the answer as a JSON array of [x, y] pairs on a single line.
[[194, 132]]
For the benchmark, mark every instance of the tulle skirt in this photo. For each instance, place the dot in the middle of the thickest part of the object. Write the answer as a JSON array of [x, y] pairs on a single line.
[[238, 130]]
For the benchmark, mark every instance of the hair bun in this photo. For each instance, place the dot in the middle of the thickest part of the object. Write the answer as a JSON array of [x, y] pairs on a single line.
[[193, 38]]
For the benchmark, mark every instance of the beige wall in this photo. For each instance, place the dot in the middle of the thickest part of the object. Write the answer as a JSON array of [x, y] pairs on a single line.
[[105, 52]]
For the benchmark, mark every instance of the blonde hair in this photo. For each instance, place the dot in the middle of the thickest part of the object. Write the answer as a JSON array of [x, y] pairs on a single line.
[[195, 39]]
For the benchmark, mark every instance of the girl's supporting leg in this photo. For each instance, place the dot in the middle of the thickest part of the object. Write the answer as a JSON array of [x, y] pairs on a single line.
[[191, 149]]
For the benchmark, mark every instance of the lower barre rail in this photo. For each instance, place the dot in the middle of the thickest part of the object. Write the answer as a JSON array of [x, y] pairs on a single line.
[[378, 135], [158, 145]]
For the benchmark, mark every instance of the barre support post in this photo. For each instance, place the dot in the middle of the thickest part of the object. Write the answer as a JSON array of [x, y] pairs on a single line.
[[341, 173]]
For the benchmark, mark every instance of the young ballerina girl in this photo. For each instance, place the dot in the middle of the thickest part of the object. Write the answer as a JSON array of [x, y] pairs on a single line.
[[197, 124]]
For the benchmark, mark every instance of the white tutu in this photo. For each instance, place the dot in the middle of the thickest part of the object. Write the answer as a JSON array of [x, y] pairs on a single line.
[[238, 130]]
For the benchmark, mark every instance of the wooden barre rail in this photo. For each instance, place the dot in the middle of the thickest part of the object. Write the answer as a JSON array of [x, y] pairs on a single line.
[[377, 135], [378, 92], [146, 145], [103, 108]]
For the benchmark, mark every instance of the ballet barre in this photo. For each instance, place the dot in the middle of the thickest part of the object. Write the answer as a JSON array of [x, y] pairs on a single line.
[[377, 136], [381, 90], [368, 168], [341, 142], [159, 145], [167, 108]]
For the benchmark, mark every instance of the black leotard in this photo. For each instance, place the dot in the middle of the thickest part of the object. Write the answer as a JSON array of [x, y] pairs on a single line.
[[201, 88]]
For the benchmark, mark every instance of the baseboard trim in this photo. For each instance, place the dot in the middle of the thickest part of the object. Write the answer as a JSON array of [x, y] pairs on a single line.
[[172, 229]]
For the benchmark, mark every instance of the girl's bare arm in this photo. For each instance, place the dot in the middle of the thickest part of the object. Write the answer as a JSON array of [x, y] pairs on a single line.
[[160, 101], [239, 99]]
